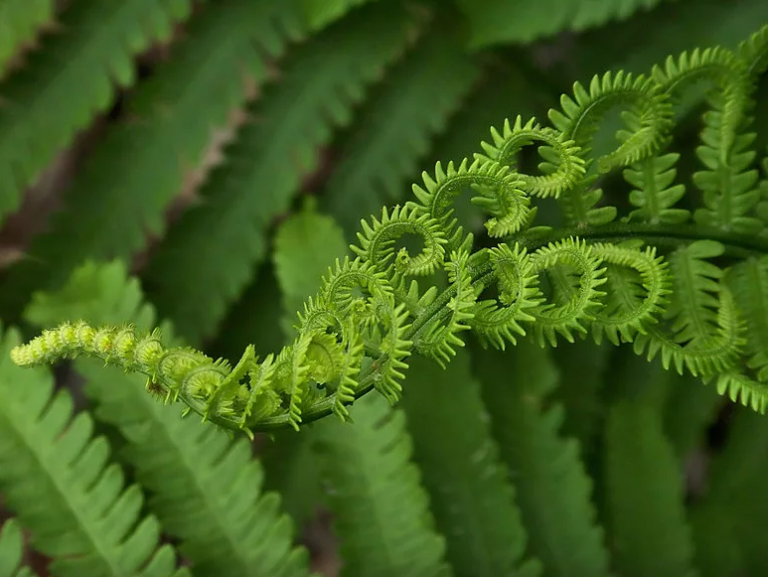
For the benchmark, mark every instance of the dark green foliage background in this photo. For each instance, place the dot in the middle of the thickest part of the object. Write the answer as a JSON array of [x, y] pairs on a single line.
[[201, 164]]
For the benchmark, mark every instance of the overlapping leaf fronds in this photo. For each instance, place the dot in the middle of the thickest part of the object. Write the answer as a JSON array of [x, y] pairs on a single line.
[[394, 128], [553, 490], [70, 78], [506, 21], [381, 510], [471, 490], [204, 488], [77, 507], [169, 123], [648, 525], [195, 274]]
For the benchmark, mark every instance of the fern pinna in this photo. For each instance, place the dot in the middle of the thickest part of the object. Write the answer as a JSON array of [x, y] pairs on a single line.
[[681, 277]]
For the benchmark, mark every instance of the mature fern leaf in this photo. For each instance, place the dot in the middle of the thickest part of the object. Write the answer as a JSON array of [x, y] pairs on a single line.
[[207, 259], [204, 488], [750, 510], [734, 508], [320, 13], [649, 532], [12, 551], [171, 117], [583, 368], [20, 21], [472, 498], [394, 128], [70, 78], [381, 510], [690, 409], [553, 492], [57, 479], [305, 246], [506, 21]]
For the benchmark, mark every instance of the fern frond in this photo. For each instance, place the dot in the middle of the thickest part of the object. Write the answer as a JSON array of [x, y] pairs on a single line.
[[597, 277], [728, 184], [77, 509], [204, 488], [395, 127], [564, 169], [497, 22], [471, 492], [497, 321], [194, 275], [633, 302], [71, 78], [749, 282], [649, 531], [320, 13], [553, 490], [12, 551], [173, 115], [569, 310], [582, 370], [653, 196], [727, 519], [20, 22], [381, 511]]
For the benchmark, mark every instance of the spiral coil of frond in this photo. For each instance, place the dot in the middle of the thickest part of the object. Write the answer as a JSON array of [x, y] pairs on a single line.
[[658, 277]]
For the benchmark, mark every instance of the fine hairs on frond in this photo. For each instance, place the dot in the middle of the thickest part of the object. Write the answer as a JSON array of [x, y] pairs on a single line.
[[677, 284]]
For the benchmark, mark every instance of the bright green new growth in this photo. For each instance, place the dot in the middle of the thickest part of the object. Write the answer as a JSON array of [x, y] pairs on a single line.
[[686, 286]]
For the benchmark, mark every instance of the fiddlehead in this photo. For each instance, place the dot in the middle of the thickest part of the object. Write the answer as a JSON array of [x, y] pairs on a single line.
[[687, 286]]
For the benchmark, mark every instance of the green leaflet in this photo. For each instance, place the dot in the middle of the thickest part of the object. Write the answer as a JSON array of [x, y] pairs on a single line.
[[204, 488], [471, 494], [553, 491], [320, 13], [393, 130], [496, 22], [648, 530], [194, 275], [74, 77], [12, 551], [77, 508], [168, 128], [381, 511], [20, 21]]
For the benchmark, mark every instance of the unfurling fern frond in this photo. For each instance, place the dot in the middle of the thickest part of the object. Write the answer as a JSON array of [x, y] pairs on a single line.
[[419, 283], [206, 490]]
